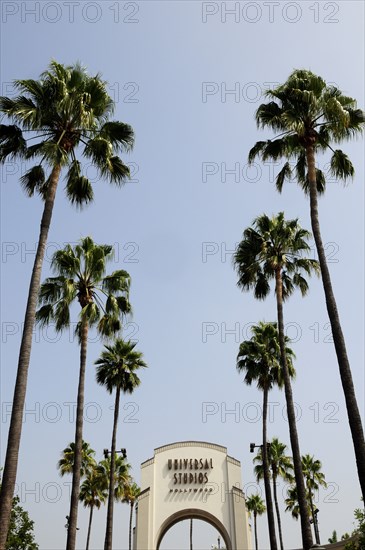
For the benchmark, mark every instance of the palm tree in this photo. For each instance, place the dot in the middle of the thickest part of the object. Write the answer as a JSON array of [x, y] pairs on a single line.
[[80, 276], [93, 494], [66, 462], [65, 109], [122, 477], [273, 249], [116, 370], [190, 536], [259, 358], [309, 115], [131, 493], [256, 505], [313, 477], [281, 466]]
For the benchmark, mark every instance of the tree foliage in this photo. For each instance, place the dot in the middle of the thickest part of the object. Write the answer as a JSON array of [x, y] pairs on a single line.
[[20, 536]]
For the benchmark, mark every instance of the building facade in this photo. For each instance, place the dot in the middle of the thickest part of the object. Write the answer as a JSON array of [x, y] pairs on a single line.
[[191, 479]]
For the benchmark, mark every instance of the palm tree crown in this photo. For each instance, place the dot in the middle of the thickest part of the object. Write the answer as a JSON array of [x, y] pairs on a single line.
[[273, 244], [81, 276], [64, 110], [259, 357], [306, 111], [117, 366], [66, 462]]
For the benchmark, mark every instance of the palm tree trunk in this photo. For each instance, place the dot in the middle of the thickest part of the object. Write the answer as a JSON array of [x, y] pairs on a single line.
[[255, 527], [89, 528], [76, 471], [294, 441], [265, 463], [130, 525], [15, 429], [109, 519], [277, 510], [338, 338], [314, 517], [191, 534]]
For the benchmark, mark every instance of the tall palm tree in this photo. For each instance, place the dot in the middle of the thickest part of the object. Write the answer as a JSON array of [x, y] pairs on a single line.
[[274, 249], [190, 535], [66, 462], [313, 478], [281, 465], [93, 494], [256, 505], [80, 276], [66, 110], [131, 492], [117, 370], [308, 115], [259, 358]]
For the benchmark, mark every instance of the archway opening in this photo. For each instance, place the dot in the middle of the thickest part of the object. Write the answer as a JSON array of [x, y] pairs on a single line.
[[215, 537], [204, 536]]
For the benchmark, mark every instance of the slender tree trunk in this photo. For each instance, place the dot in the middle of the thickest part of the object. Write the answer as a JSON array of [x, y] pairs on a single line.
[[255, 527], [15, 429], [89, 528], [109, 520], [130, 525], [274, 476], [76, 471], [265, 463], [312, 511], [297, 461], [338, 338], [191, 534], [314, 517]]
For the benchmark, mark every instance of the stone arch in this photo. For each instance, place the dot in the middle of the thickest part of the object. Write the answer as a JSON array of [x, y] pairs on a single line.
[[191, 479], [193, 513]]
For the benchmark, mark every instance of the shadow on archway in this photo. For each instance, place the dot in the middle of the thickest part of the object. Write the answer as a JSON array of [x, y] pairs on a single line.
[[193, 513]]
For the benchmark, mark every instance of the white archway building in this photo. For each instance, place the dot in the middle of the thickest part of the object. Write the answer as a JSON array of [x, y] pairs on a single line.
[[191, 479]]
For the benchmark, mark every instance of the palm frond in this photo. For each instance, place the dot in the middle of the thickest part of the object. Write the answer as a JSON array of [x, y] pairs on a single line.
[[115, 170], [285, 173], [118, 281], [79, 190], [33, 180], [12, 142], [119, 134], [45, 315], [341, 166]]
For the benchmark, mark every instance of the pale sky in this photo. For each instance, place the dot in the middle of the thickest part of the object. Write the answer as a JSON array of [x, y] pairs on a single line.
[[188, 76]]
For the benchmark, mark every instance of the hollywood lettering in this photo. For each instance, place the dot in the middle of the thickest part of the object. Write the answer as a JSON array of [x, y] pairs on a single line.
[[190, 470]]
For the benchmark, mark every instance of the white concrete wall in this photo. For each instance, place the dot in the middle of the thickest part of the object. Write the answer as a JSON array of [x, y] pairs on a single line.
[[169, 494]]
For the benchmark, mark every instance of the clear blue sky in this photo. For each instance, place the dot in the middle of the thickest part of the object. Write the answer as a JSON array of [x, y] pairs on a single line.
[[188, 76]]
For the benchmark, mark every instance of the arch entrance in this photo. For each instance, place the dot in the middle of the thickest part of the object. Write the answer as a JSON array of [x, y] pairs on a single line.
[[191, 479]]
